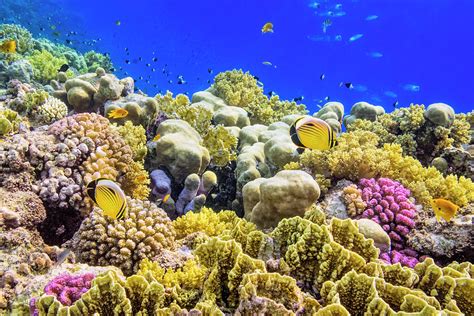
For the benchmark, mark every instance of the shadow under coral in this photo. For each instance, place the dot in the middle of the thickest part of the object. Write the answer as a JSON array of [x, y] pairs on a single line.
[[60, 225]]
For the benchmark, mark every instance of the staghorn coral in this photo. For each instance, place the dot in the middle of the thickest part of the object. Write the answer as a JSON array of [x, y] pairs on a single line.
[[357, 156], [143, 234]]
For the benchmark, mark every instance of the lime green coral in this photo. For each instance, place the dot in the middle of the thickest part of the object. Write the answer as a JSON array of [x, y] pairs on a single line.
[[45, 65], [9, 121], [358, 156]]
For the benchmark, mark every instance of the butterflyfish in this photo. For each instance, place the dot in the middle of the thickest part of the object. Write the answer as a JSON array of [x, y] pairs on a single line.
[[267, 28], [118, 113], [108, 196], [8, 46], [444, 208], [313, 133]]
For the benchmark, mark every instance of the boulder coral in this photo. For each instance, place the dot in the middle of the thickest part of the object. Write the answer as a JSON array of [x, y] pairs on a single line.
[[287, 194]]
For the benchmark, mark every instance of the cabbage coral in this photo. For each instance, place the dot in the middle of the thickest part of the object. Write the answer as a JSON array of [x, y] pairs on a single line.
[[358, 155]]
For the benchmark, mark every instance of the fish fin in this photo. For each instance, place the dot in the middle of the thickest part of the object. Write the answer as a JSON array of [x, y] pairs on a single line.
[[295, 139], [300, 150]]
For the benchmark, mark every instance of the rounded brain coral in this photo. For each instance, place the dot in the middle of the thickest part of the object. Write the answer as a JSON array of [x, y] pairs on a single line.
[[144, 233]]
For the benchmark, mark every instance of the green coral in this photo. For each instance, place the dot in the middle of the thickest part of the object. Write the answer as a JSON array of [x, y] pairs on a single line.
[[33, 100], [45, 65], [9, 121], [358, 156], [22, 37], [96, 60], [74, 59]]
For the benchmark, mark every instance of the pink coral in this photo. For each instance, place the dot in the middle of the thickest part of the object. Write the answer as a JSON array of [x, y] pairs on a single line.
[[388, 204], [69, 288]]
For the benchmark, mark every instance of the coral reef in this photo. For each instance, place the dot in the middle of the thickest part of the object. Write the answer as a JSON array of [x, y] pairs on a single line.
[[224, 216]]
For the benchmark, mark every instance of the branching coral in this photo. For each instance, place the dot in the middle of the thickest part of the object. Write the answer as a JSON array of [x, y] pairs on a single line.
[[45, 65], [358, 156]]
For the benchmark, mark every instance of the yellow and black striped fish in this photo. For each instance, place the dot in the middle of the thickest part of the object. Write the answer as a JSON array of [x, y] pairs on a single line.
[[313, 133], [107, 195]]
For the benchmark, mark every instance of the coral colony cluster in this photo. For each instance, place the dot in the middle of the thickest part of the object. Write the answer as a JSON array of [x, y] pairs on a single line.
[[225, 216]]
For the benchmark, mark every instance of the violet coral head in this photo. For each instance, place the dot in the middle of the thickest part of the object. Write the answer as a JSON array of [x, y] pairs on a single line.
[[388, 204], [69, 288], [407, 257]]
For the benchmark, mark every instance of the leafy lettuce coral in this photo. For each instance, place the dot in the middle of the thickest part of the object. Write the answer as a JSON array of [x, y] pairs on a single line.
[[359, 155]]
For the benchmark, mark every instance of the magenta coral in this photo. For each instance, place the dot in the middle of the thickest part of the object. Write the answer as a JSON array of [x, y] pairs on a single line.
[[388, 205], [69, 288]]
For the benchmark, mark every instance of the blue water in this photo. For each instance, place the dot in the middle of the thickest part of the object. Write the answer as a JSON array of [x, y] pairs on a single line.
[[429, 44]]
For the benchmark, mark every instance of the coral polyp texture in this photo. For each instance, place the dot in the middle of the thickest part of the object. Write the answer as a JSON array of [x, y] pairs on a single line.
[[225, 216]]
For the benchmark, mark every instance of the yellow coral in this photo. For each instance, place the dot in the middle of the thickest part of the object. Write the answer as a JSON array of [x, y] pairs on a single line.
[[134, 136], [45, 65], [221, 144], [358, 156], [136, 181], [207, 221]]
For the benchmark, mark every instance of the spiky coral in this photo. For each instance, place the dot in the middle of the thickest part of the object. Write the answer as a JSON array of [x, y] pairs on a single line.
[[358, 156]]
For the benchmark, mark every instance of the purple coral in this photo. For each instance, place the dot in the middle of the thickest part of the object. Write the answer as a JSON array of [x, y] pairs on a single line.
[[388, 205], [69, 288]]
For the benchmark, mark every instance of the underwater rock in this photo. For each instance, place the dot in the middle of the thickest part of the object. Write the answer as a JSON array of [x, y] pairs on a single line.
[[332, 113], [440, 114], [372, 230], [363, 110]]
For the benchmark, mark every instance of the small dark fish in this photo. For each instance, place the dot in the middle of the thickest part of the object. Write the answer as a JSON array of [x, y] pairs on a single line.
[[141, 78], [170, 81], [271, 93], [106, 54], [140, 59], [118, 23], [155, 85], [57, 34], [322, 76], [63, 68], [298, 99], [69, 42], [153, 69], [256, 78], [327, 98], [127, 61], [112, 69], [209, 70], [155, 59], [148, 65], [147, 81], [348, 85], [208, 81], [126, 49], [395, 104], [42, 29]]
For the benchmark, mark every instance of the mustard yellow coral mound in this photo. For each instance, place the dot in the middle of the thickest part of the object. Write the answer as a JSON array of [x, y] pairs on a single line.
[[218, 140], [241, 89], [358, 155], [417, 135], [136, 181]]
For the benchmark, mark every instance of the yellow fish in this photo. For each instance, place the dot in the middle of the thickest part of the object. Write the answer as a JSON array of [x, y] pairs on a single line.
[[107, 195], [156, 138], [311, 132], [444, 208], [118, 113], [8, 46], [267, 28]]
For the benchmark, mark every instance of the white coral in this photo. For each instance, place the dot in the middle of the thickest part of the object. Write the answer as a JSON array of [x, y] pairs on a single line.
[[52, 110]]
